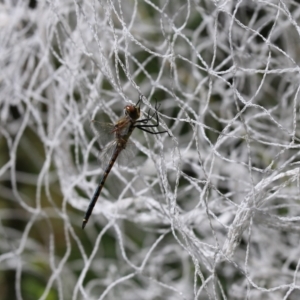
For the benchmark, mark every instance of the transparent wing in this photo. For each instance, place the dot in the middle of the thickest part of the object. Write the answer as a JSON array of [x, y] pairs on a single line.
[[106, 154], [104, 132], [125, 157]]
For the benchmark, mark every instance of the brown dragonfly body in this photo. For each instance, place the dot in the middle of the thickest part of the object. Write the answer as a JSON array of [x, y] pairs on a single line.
[[122, 131]]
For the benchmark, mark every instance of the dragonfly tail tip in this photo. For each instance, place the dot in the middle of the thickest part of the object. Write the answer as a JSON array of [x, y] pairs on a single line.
[[83, 223]]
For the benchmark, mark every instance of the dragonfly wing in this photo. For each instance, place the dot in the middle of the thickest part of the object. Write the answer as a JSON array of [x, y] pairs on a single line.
[[104, 132], [126, 157], [107, 153], [107, 132]]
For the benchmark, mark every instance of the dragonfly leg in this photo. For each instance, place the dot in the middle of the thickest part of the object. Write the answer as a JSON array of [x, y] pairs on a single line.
[[142, 124], [140, 100], [149, 131], [148, 119]]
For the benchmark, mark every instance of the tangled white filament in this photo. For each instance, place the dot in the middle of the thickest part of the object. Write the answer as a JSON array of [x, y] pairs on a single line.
[[209, 213]]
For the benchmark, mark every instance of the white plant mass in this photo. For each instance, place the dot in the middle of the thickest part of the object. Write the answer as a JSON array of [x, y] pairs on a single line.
[[211, 211]]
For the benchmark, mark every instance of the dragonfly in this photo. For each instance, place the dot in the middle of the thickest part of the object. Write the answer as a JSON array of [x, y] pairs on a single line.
[[122, 131]]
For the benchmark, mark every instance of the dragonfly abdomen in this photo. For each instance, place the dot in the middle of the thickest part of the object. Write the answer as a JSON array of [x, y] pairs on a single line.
[[119, 147]]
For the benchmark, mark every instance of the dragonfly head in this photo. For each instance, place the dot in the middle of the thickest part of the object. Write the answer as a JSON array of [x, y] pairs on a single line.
[[133, 111]]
